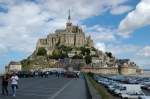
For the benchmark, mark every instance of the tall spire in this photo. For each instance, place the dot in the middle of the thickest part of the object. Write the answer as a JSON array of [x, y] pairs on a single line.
[[68, 24], [69, 16]]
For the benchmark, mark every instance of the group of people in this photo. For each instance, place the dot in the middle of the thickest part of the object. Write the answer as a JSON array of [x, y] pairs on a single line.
[[13, 80]]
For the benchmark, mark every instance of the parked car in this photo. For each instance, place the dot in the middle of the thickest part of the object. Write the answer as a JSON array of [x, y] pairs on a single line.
[[25, 74], [70, 75], [144, 97], [133, 91], [131, 96]]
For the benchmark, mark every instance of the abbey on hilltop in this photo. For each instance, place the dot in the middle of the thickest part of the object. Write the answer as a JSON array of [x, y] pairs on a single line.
[[72, 36], [69, 47]]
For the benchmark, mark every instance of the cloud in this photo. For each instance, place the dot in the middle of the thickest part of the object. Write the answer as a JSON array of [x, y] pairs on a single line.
[[22, 26], [138, 18], [101, 34], [81, 9], [122, 50], [100, 46], [145, 52], [120, 9], [142, 62]]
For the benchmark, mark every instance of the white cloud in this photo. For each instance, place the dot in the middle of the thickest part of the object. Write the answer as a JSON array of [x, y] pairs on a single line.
[[121, 9], [100, 46], [145, 52], [142, 62], [136, 19], [81, 8], [22, 27], [101, 34], [122, 49]]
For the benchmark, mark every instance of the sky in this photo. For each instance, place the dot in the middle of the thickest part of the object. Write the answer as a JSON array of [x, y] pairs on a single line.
[[118, 26]]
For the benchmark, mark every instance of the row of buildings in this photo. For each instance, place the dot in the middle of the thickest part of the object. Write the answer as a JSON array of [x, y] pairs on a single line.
[[123, 66], [13, 66]]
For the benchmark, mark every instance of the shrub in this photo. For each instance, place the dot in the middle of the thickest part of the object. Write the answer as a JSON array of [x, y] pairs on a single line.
[[41, 52]]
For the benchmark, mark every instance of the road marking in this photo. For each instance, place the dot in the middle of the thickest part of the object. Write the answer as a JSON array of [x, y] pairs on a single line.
[[33, 94], [36, 89], [59, 91]]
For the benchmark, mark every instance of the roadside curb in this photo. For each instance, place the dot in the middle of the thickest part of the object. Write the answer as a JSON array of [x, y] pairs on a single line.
[[92, 91]]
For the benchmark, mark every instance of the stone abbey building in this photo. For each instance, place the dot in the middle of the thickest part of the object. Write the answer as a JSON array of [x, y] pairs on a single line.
[[72, 36]]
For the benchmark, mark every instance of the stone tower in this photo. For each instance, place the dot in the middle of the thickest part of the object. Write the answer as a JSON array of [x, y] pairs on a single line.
[[89, 42]]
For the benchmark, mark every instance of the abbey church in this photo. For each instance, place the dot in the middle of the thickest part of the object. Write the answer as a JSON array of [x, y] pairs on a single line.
[[72, 36]]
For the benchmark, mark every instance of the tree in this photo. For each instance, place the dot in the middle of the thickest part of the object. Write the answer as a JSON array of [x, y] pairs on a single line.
[[56, 54], [63, 55], [82, 50], [85, 51], [41, 52], [109, 54], [25, 64], [94, 49], [65, 48], [77, 57], [88, 59]]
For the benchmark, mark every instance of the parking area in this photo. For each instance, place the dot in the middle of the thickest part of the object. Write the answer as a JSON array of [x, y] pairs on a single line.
[[124, 87]]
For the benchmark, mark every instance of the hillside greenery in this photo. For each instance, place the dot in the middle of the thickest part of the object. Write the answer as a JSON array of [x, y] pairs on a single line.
[[60, 52]]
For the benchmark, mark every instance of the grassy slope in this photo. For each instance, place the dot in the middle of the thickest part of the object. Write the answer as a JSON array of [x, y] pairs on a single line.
[[100, 89]]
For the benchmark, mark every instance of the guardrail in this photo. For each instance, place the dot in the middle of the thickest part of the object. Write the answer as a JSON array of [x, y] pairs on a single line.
[[92, 91]]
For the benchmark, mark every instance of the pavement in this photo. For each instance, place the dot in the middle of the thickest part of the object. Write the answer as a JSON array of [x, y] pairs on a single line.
[[50, 88]]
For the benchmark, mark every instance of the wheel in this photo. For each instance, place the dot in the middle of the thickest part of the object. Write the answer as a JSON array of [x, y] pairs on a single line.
[[124, 98]]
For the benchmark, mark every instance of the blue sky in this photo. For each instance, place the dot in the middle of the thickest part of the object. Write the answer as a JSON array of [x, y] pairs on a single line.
[[119, 26]]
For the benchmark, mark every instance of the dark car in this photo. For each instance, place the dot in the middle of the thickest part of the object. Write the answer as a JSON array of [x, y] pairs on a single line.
[[70, 75], [25, 74]]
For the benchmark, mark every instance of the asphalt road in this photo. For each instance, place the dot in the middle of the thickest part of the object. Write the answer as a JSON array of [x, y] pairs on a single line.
[[50, 88]]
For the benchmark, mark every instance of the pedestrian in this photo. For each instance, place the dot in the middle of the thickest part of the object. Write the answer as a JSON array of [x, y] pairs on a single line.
[[58, 73], [46, 74], [5, 80], [14, 83]]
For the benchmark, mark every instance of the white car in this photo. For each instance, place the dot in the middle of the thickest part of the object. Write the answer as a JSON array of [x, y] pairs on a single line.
[[119, 90], [131, 96], [144, 97]]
